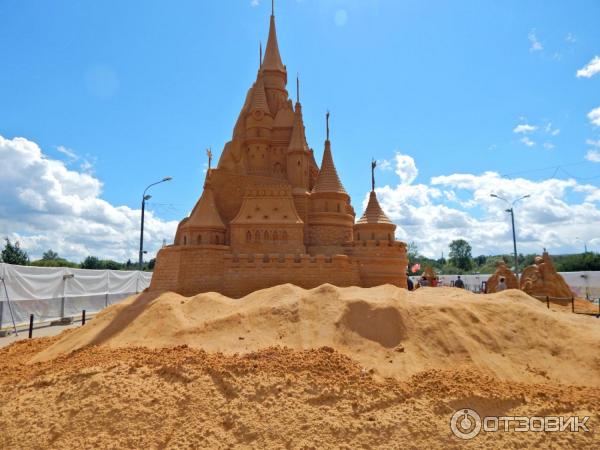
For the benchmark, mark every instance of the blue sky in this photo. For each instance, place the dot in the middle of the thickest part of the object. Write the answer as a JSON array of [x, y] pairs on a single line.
[[440, 92]]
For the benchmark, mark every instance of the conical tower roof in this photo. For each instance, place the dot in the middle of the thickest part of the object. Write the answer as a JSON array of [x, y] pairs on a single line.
[[373, 213], [298, 139], [328, 179], [272, 59], [205, 213], [259, 97]]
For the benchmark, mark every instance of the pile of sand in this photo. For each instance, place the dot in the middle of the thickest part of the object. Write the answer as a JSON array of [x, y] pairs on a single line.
[[286, 367], [390, 330]]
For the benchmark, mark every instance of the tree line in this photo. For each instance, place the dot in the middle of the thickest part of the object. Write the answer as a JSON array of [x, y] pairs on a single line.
[[461, 261], [14, 254]]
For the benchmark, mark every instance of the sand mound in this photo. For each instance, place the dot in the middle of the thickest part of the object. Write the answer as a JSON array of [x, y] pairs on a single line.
[[292, 368], [393, 332], [181, 397]]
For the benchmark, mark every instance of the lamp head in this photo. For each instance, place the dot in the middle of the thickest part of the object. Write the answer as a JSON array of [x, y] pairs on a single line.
[[167, 178], [147, 197], [493, 195]]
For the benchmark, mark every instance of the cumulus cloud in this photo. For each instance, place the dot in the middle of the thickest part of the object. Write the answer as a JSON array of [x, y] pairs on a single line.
[[254, 3], [48, 205], [590, 69], [524, 128], [458, 205], [594, 116], [535, 44], [593, 156], [528, 142]]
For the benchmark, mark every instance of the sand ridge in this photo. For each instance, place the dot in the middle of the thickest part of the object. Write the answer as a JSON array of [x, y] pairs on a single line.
[[386, 329]]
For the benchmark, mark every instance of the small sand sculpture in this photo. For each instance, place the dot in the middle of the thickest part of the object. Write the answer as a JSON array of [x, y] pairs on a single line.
[[502, 271], [541, 279]]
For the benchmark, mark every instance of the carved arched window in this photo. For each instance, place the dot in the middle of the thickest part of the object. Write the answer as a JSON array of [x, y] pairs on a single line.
[[257, 236], [284, 236], [358, 236], [216, 239], [248, 236], [266, 235], [373, 236], [185, 240], [389, 237], [338, 207], [275, 237], [199, 239]]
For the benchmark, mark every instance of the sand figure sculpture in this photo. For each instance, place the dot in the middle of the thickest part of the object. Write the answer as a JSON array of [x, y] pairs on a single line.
[[502, 271], [270, 215], [541, 279]]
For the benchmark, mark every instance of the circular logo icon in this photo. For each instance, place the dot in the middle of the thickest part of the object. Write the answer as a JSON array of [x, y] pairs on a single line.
[[465, 423]]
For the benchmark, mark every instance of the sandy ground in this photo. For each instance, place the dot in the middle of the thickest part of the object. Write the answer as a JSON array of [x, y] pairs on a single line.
[[292, 368]]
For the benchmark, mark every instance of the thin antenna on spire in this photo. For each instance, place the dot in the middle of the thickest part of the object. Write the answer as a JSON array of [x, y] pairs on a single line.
[[272, 7], [297, 88], [209, 154], [327, 122], [373, 165], [260, 57]]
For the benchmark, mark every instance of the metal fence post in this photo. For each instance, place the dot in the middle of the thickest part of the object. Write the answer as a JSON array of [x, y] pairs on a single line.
[[30, 326], [573, 304], [83, 318]]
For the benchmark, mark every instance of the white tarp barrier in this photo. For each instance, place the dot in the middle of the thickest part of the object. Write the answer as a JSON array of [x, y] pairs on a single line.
[[583, 284], [53, 292]]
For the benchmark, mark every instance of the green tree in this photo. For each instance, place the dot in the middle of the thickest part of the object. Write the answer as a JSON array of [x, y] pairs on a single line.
[[13, 254], [50, 255], [460, 254], [92, 262]]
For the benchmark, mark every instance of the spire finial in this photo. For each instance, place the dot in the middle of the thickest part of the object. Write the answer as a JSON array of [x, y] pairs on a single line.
[[272, 7], [327, 122], [373, 165], [260, 55], [209, 154], [297, 88]]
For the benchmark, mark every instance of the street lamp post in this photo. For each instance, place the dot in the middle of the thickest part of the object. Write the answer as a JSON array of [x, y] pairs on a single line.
[[511, 210], [144, 198]]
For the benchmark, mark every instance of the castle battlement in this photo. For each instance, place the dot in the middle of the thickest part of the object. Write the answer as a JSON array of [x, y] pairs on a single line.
[[270, 215]]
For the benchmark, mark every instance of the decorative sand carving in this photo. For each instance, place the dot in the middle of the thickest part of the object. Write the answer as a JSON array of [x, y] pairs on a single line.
[[541, 279], [502, 271]]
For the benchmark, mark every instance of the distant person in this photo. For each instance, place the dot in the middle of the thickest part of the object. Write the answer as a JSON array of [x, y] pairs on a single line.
[[424, 282], [434, 282], [501, 285], [409, 284], [459, 283]]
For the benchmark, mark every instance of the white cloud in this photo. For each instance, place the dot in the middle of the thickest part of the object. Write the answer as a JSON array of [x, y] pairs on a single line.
[[67, 152], [590, 69], [48, 205], [536, 45], [341, 17], [593, 156], [254, 3], [524, 128], [548, 145], [459, 206], [593, 143], [406, 168], [384, 164], [528, 142], [594, 116], [551, 131]]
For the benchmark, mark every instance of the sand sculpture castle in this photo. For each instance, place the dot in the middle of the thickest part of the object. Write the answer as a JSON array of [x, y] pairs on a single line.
[[270, 215], [502, 271], [541, 279]]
